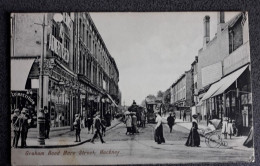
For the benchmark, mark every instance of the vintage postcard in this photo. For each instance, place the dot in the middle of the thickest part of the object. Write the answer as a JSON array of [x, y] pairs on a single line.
[[130, 88]]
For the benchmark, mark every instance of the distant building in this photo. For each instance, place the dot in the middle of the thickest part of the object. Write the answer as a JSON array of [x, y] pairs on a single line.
[[181, 92]]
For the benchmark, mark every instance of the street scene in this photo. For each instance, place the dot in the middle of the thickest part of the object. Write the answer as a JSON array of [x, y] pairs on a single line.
[[130, 88]]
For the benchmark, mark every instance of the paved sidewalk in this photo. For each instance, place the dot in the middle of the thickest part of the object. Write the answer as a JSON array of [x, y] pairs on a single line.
[[234, 142], [67, 139]]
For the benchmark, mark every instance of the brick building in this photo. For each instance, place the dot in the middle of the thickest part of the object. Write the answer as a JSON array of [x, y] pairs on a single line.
[[79, 74]]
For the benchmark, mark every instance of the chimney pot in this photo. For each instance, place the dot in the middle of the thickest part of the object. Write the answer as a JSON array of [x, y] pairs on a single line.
[[206, 30]]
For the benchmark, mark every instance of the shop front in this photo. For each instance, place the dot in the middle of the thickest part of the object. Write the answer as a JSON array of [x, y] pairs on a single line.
[[231, 97]]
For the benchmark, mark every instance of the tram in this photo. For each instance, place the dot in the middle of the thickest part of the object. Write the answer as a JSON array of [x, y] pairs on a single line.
[[153, 105]]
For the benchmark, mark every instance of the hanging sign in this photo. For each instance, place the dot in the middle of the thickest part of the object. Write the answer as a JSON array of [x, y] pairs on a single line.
[[24, 96], [58, 48]]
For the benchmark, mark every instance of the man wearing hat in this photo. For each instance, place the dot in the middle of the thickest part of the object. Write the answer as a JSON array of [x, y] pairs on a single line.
[[77, 127], [98, 126], [15, 128], [23, 126], [47, 122]]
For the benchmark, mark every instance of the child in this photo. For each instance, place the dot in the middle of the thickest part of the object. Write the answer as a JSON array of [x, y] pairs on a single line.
[[230, 128], [77, 126], [235, 130], [225, 127]]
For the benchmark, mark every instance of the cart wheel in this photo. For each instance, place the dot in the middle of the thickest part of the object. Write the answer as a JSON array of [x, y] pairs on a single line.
[[215, 141]]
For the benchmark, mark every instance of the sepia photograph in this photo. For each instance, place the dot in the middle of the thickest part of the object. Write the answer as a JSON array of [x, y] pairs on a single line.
[[113, 88]]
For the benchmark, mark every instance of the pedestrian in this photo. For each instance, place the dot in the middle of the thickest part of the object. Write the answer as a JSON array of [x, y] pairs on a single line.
[[77, 126], [98, 126], [235, 130], [230, 128], [225, 127], [128, 122], [193, 138], [47, 122], [142, 119], [90, 123], [158, 133], [170, 121], [184, 116], [134, 123], [103, 126], [22, 124], [15, 128]]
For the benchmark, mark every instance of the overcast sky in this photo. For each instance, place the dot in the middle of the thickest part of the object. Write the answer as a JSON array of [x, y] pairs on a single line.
[[152, 49]]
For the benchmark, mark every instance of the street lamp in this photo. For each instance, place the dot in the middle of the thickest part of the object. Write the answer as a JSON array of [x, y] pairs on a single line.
[[41, 117]]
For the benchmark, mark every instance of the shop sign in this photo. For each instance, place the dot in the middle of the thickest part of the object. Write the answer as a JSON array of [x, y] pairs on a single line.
[[57, 47], [24, 96]]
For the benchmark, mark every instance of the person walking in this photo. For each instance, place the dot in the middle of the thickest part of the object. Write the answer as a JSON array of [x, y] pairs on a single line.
[[142, 119], [22, 124], [77, 126], [184, 116], [47, 122], [158, 133], [194, 137], [128, 122], [134, 123], [170, 121], [15, 128], [90, 123], [98, 126]]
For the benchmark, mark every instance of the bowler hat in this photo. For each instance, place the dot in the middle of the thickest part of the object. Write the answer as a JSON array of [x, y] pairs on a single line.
[[195, 116]]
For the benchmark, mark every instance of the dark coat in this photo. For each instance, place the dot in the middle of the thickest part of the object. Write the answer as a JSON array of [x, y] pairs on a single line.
[[171, 120], [194, 137]]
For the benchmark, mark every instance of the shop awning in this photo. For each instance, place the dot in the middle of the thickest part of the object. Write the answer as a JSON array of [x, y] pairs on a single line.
[[213, 88], [227, 81], [220, 86], [20, 69], [112, 100]]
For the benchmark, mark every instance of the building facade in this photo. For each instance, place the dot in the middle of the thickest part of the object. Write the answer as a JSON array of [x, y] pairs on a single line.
[[181, 92], [76, 72], [224, 73]]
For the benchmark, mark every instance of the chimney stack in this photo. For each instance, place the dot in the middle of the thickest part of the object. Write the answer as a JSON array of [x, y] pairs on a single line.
[[206, 30], [221, 22]]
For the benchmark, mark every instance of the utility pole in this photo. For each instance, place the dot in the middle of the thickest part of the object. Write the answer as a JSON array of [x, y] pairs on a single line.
[[41, 116]]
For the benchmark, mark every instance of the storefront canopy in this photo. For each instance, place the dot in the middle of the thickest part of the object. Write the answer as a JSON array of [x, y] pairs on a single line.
[[112, 100], [227, 81], [20, 69], [220, 86]]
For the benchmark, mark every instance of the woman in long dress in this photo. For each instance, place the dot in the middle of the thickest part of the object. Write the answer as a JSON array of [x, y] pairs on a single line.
[[158, 136], [128, 124], [194, 137]]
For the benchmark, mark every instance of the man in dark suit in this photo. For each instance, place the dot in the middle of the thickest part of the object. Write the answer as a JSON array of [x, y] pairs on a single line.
[[23, 126], [47, 122], [98, 126], [15, 128]]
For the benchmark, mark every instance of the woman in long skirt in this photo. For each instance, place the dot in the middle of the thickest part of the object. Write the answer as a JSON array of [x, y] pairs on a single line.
[[158, 134], [194, 138]]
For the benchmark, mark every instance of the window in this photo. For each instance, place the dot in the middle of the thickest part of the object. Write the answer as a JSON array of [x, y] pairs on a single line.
[[83, 31]]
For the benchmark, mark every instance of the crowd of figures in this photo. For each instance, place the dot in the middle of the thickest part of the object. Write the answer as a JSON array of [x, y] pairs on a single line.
[[95, 124], [22, 122]]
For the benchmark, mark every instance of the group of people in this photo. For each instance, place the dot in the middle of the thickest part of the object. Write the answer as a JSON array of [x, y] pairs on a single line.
[[21, 122], [96, 123], [131, 123], [20, 126]]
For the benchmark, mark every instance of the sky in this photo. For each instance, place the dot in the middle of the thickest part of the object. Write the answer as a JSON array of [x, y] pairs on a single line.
[[152, 50]]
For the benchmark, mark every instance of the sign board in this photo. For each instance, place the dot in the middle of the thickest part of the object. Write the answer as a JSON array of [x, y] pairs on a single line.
[[24, 96], [58, 48]]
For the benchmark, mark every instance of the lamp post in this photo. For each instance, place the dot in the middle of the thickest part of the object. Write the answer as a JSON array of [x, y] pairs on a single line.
[[41, 117]]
